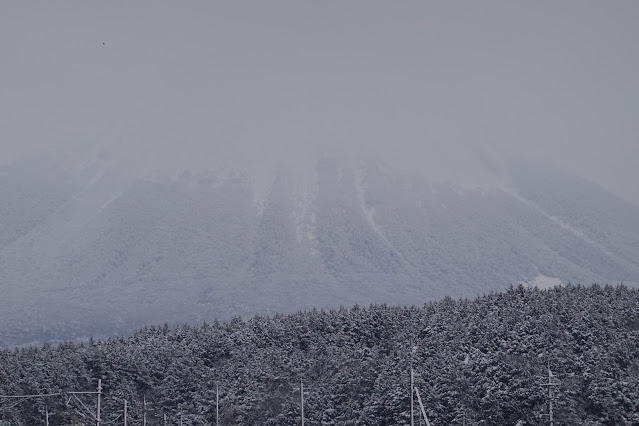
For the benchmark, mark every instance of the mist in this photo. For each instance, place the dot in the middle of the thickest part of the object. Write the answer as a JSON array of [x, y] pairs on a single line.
[[422, 85]]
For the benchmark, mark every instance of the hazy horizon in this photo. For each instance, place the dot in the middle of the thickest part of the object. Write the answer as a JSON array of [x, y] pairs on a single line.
[[255, 83]]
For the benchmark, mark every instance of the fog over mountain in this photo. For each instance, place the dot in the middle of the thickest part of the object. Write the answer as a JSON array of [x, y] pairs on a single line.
[[554, 82], [87, 246], [182, 162]]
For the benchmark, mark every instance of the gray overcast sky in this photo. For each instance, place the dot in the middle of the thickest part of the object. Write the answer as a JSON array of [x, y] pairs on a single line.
[[555, 80]]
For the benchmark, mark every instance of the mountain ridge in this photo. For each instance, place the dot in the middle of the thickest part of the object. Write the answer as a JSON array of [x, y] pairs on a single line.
[[103, 251]]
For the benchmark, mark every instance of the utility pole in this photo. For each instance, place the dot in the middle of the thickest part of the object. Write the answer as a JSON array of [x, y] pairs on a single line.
[[97, 417], [413, 350], [412, 387], [125, 412], [550, 384], [217, 405], [421, 406], [302, 398], [415, 391], [84, 410]]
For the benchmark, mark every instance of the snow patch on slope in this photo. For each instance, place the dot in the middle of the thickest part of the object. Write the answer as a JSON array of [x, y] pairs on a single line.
[[369, 211], [543, 282], [304, 217], [262, 185], [110, 200], [559, 222]]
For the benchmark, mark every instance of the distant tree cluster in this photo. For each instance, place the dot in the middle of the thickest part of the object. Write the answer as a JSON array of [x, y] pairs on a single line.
[[478, 362]]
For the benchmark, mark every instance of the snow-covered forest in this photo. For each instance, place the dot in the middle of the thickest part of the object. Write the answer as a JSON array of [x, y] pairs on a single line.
[[127, 252], [477, 361]]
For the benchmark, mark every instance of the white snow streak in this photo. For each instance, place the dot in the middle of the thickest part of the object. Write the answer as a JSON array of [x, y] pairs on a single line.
[[303, 215], [369, 211], [559, 222], [110, 200]]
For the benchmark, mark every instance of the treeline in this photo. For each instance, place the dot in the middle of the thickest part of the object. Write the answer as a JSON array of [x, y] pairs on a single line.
[[478, 362]]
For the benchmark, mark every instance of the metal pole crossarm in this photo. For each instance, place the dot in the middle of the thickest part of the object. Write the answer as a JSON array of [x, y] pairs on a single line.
[[550, 384]]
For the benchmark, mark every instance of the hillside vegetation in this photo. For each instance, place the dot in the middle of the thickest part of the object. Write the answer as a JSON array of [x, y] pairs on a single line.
[[91, 251], [482, 359]]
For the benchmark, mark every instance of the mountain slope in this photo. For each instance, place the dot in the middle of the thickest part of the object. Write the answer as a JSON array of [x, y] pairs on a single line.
[[122, 250]]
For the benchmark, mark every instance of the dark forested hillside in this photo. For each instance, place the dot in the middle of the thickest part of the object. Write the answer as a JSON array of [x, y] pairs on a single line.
[[482, 360]]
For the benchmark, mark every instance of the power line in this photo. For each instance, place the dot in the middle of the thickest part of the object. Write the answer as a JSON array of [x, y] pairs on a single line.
[[42, 395]]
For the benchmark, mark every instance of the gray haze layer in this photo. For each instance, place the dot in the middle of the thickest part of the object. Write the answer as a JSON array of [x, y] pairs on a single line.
[[186, 161], [203, 84]]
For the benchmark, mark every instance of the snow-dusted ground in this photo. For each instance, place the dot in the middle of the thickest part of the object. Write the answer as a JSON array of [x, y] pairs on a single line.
[[543, 282], [192, 245]]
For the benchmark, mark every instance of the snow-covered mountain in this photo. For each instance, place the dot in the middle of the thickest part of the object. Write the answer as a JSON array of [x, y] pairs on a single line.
[[90, 247]]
